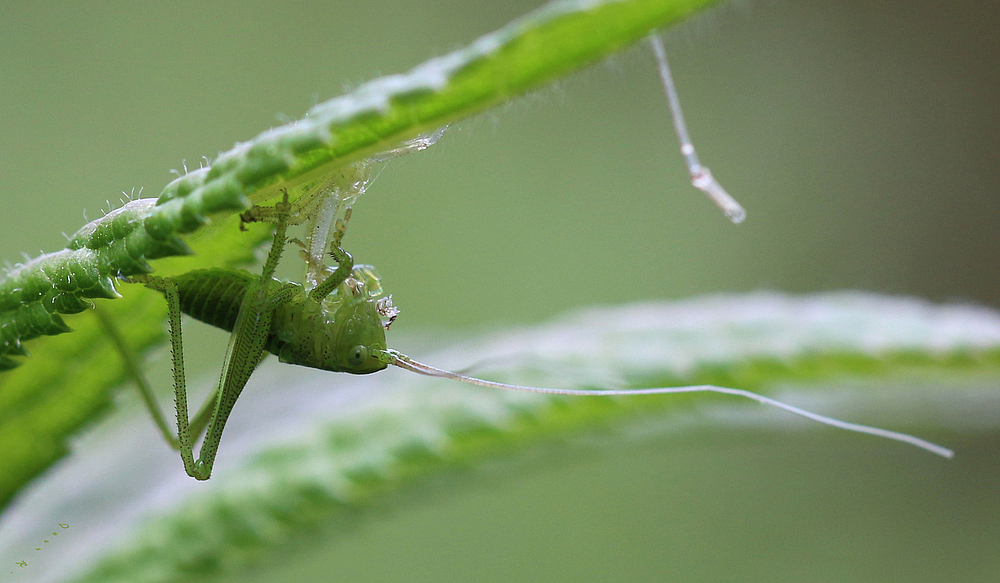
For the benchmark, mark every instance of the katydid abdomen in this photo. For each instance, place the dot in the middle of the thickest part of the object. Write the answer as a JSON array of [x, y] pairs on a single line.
[[213, 296], [338, 333]]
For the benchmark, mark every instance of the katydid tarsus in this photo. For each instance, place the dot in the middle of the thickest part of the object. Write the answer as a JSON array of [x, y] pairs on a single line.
[[336, 321]]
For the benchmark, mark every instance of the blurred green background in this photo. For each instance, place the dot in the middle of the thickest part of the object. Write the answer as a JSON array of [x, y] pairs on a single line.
[[861, 137]]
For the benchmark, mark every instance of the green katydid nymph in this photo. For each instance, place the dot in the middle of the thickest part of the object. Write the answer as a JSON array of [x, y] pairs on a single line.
[[336, 320], [338, 325]]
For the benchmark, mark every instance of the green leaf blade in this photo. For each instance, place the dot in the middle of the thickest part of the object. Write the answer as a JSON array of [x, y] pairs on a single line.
[[376, 435]]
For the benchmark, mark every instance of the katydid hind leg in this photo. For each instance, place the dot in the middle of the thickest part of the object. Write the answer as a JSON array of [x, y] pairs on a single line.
[[246, 346], [170, 291]]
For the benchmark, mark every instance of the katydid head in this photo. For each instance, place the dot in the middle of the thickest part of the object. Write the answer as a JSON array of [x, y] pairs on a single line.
[[347, 339], [360, 338], [345, 332]]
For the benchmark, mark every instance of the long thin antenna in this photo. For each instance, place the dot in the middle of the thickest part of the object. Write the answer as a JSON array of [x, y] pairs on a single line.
[[405, 362], [701, 177]]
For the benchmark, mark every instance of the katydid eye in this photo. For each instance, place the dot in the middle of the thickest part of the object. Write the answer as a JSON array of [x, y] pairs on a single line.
[[357, 355]]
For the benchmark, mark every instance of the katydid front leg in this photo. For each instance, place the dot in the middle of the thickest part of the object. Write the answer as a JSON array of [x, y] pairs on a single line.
[[345, 263]]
